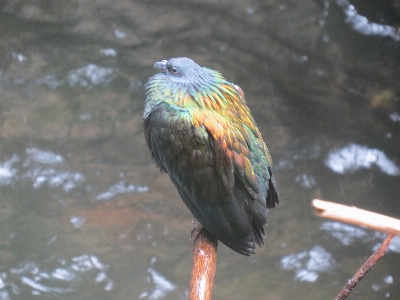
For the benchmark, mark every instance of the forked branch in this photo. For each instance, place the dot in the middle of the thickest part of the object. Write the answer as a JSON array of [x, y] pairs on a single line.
[[364, 218]]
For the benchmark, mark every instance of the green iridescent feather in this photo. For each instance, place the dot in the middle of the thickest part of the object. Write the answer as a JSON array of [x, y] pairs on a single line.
[[200, 131]]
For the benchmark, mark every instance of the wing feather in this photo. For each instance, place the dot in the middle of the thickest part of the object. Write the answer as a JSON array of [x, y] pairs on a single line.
[[211, 161]]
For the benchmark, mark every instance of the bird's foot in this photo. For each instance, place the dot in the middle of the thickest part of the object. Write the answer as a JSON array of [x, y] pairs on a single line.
[[195, 232]]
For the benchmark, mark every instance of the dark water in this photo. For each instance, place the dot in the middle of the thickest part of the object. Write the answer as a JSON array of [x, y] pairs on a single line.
[[84, 214]]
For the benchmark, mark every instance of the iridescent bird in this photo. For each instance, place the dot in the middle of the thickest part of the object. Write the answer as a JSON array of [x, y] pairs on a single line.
[[200, 131]]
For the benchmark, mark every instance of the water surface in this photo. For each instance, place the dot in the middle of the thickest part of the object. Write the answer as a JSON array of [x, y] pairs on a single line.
[[85, 214]]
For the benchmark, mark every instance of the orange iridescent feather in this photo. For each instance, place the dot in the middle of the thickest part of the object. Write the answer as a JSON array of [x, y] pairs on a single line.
[[200, 131]]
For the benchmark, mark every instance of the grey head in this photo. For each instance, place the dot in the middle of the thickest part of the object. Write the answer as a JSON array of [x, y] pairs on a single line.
[[184, 71]]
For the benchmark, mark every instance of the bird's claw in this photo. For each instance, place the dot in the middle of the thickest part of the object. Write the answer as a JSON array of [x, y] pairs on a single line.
[[195, 233]]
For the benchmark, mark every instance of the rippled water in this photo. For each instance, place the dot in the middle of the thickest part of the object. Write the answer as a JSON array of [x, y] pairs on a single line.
[[84, 214]]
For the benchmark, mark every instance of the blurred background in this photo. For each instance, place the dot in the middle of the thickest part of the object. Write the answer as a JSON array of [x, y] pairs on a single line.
[[84, 214]]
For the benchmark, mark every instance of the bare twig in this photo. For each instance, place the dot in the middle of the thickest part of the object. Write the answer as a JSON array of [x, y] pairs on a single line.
[[359, 217], [356, 216], [366, 267], [204, 266]]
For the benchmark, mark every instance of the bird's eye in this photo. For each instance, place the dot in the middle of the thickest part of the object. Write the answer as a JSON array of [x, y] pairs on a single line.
[[173, 70]]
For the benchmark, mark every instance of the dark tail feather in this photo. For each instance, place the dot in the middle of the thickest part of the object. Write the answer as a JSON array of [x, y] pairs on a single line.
[[272, 196], [259, 233]]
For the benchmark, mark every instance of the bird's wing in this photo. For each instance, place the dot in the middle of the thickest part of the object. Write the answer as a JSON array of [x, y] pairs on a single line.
[[187, 153], [260, 157], [241, 160], [210, 164]]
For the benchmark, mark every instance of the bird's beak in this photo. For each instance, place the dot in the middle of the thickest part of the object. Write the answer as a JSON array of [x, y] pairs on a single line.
[[161, 64]]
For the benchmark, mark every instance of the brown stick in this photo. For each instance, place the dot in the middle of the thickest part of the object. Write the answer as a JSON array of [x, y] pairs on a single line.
[[356, 216], [365, 268], [204, 266], [359, 217]]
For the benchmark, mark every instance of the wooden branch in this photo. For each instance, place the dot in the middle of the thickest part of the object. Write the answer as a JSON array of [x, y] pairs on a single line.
[[365, 268], [356, 216], [204, 266], [364, 218]]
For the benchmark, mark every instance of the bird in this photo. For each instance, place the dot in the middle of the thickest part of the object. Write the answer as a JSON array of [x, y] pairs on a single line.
[[200, 131]]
